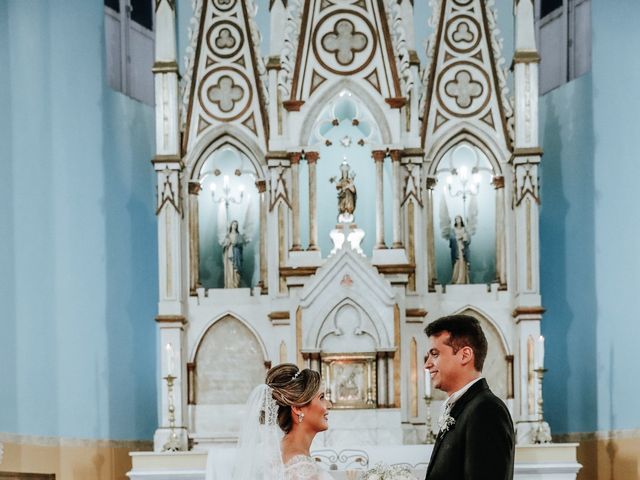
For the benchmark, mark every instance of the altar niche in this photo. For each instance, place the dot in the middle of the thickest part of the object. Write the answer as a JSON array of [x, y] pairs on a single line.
[[229, 221], [464, 217], [345, 131]]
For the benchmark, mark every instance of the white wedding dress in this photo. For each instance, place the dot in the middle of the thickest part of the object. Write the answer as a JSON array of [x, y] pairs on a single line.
[[302, 467], [258, 455]]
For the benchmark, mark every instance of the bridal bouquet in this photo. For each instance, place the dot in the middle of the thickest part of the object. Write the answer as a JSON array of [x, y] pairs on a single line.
[[385, 472]]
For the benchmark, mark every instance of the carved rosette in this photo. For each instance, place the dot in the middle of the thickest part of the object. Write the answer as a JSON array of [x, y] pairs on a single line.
[[226, 78], [360, 39], [464, 80]]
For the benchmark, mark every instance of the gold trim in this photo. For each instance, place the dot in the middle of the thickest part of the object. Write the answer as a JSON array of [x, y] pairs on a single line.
[[165, 67], [161, 159], [273, 63], [396, 102], [277, 155], [413, 152], [396, 268], [171, 319], [413, 376], [527, 311], [415, 312], [411, 243], [526, 56], [396, 358], [414, 59], [191, 377], [527, 152], [292, 105], [299, 337], [280, 315], [297, 271]]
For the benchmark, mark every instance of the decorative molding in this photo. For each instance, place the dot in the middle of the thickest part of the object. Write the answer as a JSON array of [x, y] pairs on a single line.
[[171, 319], [161, 159], [297, 271], [165, 67], [293, 105], [415, 313], [518, 311], [280, 318], [394, 269], [396, 102], [526, 56], [527, 152]]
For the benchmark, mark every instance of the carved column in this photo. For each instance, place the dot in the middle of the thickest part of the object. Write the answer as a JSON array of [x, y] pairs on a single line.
[[526, 205], [194, 238], [397, 227], [312, 159], [294, 158], [261, 185], [170, 213], [432, 274], [383, 379], [501, 257], [378, 158]]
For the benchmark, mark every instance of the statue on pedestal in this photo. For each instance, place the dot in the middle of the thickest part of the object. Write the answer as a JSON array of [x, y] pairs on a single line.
[[232, 246], [347, 194], [459, 237]]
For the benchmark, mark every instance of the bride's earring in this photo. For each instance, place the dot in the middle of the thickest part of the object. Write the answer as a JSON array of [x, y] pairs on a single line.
[[300, 417]]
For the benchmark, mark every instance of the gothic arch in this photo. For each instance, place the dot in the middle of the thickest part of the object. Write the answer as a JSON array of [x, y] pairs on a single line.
[[470, 134], [219, 137], [327, 314], [238, 318], [321, 99], [483, 316], [366, 325]]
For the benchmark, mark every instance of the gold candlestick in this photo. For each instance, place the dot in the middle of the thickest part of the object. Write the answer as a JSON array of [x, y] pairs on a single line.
[[429, 437]]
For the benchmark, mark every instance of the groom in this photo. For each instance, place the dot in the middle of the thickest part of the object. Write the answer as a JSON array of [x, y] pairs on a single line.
[[476, 437]]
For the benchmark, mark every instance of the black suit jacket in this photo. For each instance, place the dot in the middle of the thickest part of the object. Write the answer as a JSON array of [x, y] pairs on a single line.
[[481, 443]]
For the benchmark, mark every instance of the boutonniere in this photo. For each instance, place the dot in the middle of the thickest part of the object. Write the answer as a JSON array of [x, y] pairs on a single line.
[[446, 423]]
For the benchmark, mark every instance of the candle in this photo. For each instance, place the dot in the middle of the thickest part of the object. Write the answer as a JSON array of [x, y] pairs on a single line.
[[539, 352], [169, 349], [427, 383]]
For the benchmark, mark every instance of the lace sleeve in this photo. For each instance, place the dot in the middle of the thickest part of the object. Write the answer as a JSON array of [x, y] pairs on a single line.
[[304, 468]]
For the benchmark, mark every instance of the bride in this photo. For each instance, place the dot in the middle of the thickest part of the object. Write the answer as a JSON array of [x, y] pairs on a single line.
[[282, 418]]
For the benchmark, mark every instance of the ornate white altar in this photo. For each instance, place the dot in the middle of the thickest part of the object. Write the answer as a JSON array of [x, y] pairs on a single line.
[[248, 152]]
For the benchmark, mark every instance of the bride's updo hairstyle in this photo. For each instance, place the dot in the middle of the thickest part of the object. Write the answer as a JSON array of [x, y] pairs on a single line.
[[291, 387]]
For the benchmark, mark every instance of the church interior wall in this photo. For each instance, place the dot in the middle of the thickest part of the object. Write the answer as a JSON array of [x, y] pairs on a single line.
[[78, 256], [589, 280], [78, 261]]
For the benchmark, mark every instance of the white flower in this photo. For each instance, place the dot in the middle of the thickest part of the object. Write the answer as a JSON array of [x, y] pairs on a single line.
[[445, 423]]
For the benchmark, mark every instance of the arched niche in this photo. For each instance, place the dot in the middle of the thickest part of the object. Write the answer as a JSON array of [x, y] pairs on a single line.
[[496, 366], [348, 328], [465, 213], [229, 362], [344, 130], [228, 193]]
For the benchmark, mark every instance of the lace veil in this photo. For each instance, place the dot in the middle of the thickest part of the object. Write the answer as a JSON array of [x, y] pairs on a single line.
[[259, 456]]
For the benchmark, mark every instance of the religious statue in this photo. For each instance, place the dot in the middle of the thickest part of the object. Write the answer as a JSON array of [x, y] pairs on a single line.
[[459, 237], [459, 241], [232, 246], [347, 195]]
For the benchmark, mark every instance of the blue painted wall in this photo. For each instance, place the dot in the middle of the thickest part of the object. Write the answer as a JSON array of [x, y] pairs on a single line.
[[589, 230], [78, 257]]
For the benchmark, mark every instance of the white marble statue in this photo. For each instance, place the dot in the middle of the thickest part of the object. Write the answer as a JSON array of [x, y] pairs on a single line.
[[232, 247], [459, 237]]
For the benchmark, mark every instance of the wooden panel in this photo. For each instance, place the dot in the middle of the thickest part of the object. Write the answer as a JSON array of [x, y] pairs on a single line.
[[31, 476]]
